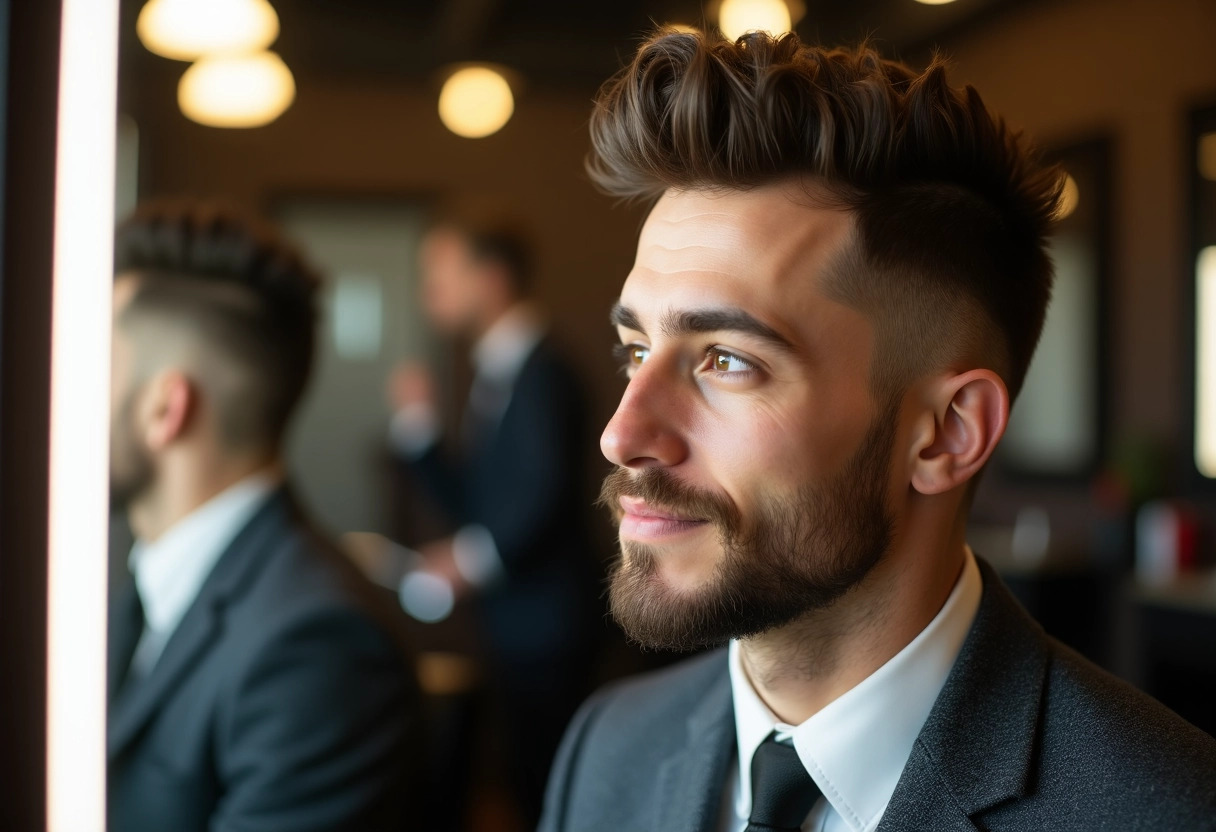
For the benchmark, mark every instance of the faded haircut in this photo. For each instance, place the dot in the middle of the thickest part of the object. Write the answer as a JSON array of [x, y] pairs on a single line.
[[951, 207], [230, 285]]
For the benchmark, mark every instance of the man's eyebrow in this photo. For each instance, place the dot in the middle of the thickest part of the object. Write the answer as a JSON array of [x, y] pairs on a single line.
[[623, 316], [722, 320]]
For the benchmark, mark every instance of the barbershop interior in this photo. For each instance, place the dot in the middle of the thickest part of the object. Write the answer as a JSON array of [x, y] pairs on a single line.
[[411, 181]]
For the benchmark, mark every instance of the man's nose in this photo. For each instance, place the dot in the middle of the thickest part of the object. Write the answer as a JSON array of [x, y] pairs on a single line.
[[644, 432]]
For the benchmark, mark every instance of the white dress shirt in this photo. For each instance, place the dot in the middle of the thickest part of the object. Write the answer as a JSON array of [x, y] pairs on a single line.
[[856, 747], [498, 358], [170, 571]]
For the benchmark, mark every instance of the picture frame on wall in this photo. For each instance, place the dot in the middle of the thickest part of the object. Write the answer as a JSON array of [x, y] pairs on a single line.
[[1199, 294], [1058, 430]]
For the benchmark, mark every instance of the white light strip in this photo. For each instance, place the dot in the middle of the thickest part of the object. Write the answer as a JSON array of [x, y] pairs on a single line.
[[80, 373], [1205, 362]]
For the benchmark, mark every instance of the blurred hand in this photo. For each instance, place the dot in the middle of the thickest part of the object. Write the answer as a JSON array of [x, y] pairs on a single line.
[[379, 558], [440, 561], [411, 384]]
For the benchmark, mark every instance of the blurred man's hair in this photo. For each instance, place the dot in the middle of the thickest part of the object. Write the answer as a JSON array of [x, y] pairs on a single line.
[[243, 297], [951, 208], [494, 237]]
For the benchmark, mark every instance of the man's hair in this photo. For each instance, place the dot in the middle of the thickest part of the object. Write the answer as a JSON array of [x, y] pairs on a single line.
[[494, 237], [243, 296], [951, 208]]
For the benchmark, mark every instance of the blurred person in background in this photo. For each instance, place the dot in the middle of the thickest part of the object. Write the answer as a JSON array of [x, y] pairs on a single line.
[[512, 484], [835, 299], [256, 680]]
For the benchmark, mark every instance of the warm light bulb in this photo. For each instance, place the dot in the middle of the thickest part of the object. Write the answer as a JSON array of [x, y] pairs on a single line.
[[934, 2], [236, 90], [1069, 197], [189, 29], [737, 17], [475, 102]]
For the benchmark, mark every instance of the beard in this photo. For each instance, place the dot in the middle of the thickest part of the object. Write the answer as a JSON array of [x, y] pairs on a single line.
[[798, 554], [131, 468]]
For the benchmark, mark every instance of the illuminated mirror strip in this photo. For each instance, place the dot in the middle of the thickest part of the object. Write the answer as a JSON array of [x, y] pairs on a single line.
[[1205, 362], [80, 373]]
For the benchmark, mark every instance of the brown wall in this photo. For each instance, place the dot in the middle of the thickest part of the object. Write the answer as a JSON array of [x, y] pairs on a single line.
[[1130, 69], [360, 139]]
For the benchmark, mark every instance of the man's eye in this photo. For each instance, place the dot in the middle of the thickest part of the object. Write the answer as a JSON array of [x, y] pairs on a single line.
[[631, 356], [725, 362]]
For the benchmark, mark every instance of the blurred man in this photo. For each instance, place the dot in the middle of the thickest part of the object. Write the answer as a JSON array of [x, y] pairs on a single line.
[[257, 681], [514, 489], [835, 299]]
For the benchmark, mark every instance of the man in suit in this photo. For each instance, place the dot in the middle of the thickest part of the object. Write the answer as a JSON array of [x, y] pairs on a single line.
[[257, 681], [512, 485], [835, 299]]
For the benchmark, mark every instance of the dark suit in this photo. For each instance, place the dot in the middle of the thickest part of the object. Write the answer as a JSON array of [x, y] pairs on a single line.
[[1025, 735], [521, 475], [284, 701]]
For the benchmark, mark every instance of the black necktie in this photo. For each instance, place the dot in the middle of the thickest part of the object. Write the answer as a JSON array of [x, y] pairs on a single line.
[[782, 792]]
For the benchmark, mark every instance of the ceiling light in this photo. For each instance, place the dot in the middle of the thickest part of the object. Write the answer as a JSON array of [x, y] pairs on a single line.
[[236, 90], [189, 29], [475, 102], [934, 2], [1069, 197], [737, 17]]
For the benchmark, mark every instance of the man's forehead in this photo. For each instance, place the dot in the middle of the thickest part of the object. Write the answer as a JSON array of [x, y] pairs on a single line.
[[767, 245]]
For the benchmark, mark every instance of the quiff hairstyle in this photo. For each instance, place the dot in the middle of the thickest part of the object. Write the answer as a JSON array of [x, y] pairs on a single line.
[[241, 296], [951, 207]]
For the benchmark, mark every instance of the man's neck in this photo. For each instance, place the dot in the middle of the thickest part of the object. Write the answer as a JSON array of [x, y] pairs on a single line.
[[800, 668], [489, 319], [179, 494]]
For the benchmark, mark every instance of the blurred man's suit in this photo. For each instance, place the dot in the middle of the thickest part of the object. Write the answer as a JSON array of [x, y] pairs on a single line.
[[516, 487], [1026, 735], [282, 700]]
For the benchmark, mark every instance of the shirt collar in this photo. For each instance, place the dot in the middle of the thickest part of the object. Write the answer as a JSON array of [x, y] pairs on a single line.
[[500, 353], [856, 747], [170, 571]]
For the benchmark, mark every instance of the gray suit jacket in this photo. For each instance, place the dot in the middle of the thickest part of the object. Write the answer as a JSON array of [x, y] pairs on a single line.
[[1025, 735], [285, 700]]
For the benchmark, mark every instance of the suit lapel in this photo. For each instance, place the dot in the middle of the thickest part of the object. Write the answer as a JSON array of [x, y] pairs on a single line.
[[201, 627], [923, 801], [976, 748], [690, 782], [126, 624]]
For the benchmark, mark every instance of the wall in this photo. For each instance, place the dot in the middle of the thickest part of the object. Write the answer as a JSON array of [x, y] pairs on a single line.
[[1130, 69], [345, 140]]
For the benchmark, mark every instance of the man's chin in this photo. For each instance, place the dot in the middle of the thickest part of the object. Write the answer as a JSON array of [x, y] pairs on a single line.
[[663, 608], [679, 570]]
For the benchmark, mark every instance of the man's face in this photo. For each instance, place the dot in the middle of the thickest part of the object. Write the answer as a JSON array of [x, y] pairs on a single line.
[[754, 467], [452, 283], [131, 468]]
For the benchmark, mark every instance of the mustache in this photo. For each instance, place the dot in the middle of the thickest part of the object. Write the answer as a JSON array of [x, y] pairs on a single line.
[[661, 488]]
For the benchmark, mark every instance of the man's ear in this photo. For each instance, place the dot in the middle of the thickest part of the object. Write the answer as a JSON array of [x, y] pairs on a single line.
[[166, 409], [969, 414]]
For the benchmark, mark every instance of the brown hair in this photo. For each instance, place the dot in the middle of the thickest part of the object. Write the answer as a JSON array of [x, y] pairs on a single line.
[[951, 207], [494, 236], [208, 272]]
